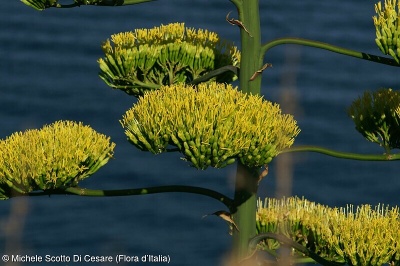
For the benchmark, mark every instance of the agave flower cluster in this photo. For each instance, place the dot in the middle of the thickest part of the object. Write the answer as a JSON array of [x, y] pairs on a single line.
[[58, 155], [145, 59], [376, 116], [357, 236], [212, 125], [387, 24]]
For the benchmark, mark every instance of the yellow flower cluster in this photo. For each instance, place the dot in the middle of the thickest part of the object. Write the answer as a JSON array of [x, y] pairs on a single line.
[[212, 125], [375, 117], [60, 154], [387, 24], [357, 236], [174, 32], [145, 59]]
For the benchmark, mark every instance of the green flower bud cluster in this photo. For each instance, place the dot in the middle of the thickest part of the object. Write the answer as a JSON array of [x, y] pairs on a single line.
[[212, 125], [148, 58], [375, 117], [356, 236], [58, 155], [387, 24]]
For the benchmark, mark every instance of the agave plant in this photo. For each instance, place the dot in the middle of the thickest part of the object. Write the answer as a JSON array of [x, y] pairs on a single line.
[[145, 59]]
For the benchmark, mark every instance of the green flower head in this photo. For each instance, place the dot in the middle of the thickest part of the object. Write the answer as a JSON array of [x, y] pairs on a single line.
[[58, 155], [145, 59], [387, 24], [352, 235], [212, 125], [377, 118]]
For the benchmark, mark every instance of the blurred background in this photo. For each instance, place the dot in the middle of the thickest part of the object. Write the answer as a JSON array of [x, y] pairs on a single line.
[[48, 72]]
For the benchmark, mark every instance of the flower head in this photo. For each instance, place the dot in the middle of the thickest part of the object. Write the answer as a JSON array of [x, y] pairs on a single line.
[[375, 117], [387, 24], [353, 235], [58, 155], [212, 125], [145, 59]]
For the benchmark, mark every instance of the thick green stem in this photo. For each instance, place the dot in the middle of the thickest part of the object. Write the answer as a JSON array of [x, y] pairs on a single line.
[[247, 178], [245, 216], [345, 155], [250, 33], [138, 191], [328, 47]]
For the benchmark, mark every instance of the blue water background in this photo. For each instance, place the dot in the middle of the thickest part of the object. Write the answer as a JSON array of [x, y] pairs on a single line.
[[48, 72]]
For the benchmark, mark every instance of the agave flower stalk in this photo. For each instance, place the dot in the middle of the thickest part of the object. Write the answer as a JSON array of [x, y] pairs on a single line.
[[58, 155], [145, 59]]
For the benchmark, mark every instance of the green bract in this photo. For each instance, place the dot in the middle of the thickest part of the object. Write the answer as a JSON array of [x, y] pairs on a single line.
[[387, 24], [58, 155], [375, 117], [356, 236], [40, 4], [148, 58], [212, 125]]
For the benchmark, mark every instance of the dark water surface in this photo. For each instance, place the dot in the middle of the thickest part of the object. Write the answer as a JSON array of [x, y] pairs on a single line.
[[48, 72]]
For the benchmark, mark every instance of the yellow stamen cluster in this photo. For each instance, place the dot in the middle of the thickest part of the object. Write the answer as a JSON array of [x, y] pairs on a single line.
[[60, 154], [212, 125], [145, 59], [387, 24], [174, 32], [375, 117], [356, 236]]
